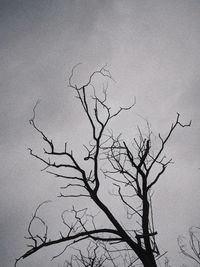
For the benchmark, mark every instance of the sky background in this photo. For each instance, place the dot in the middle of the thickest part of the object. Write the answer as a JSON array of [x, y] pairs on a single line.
[[152, 49]]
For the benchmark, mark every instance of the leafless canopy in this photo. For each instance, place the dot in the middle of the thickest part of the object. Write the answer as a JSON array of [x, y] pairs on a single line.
[[132, 171]]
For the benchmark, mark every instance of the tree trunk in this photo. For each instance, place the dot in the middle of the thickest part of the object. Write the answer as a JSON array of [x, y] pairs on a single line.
[[149, 260]]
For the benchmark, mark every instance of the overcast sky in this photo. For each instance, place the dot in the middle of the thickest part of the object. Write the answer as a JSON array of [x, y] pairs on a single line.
[[152, 49]]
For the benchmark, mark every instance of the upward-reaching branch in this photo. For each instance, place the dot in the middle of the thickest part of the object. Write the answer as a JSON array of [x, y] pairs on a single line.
[[93, 115]]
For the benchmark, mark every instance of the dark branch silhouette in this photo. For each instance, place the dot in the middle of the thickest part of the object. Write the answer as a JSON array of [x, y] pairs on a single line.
[[132, 171]]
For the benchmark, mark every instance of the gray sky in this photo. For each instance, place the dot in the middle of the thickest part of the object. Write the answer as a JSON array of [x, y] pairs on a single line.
[[152, 49]]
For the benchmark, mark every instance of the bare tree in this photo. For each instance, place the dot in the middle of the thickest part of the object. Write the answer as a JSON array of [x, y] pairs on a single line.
[[191, 247], [131, 169]]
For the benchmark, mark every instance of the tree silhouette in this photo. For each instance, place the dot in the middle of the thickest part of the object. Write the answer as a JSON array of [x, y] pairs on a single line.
[[131, 169]]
